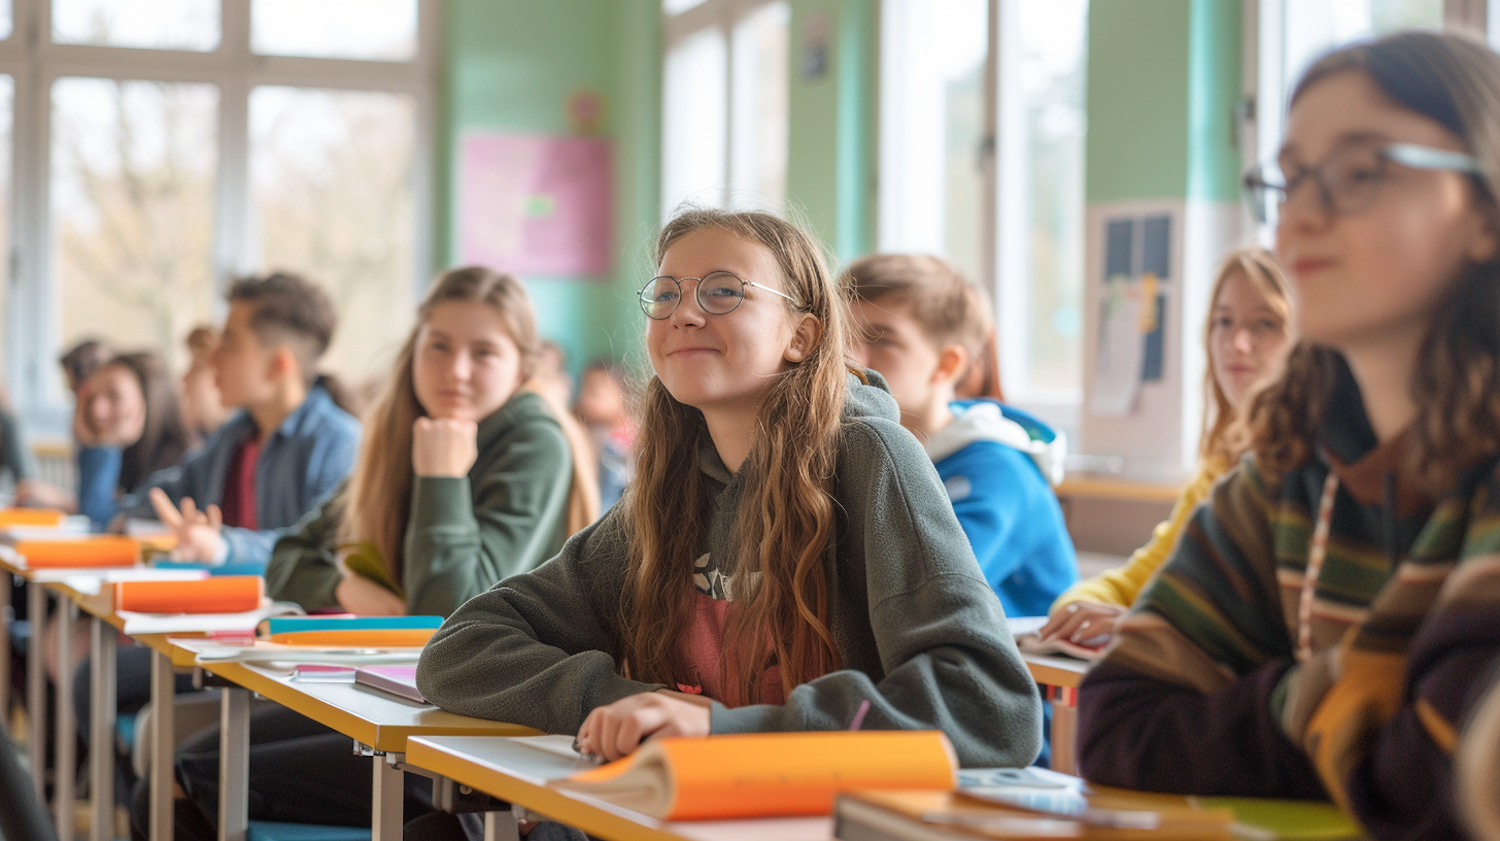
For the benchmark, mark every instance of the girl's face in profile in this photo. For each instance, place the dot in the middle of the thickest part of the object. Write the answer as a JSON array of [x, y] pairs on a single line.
[[728, 361], [1376, 275]]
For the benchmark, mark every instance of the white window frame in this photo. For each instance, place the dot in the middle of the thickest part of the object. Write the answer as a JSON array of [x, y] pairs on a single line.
[[724, 15], [34, 62]]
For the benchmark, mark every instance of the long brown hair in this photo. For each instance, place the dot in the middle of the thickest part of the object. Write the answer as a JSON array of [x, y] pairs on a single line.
[[786, 525], [165, 436], [1224, 437], [1456, 381], [378, 501]]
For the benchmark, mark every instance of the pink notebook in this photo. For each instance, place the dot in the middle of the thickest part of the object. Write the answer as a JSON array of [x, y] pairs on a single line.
[[397, 680]]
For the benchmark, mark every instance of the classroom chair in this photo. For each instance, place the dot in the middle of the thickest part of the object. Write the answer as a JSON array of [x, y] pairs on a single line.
[[271, 831]]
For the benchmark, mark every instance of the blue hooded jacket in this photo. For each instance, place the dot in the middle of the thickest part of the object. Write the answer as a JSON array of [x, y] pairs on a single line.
[[998, 465]]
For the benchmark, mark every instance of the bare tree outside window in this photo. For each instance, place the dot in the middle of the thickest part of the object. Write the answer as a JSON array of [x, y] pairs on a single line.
[[133, 166], [332, 177], [142, 24]]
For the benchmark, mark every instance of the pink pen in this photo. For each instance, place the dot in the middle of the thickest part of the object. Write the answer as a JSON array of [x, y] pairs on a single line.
[[859, 715]]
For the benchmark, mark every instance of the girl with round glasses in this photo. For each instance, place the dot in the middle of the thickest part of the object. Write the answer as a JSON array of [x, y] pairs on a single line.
[[785, 554], [1330, 614]]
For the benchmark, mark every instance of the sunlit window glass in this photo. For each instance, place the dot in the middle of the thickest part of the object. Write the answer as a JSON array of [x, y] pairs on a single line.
[[132, 201], [931, 125], [758, 147], [144, 24], [7, 100], [332, 177], [1051, 137], [695, 121], [374, 30]]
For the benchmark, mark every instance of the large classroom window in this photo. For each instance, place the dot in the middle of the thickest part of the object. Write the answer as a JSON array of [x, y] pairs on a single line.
[[166, 146], [981, 160], [724, 104]]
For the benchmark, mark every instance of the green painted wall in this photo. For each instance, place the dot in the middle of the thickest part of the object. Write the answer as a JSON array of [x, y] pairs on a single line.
[[831, 155], [1214, 86], [1163, 78], [511, 65]]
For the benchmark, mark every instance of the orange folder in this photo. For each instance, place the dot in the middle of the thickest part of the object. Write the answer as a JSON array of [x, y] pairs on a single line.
[[36, 518], [225, 594], [366, 638], [85, 553], [764, 774]]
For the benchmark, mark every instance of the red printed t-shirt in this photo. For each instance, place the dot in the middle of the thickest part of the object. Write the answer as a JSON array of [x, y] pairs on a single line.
[[703, 648], [239, 485]]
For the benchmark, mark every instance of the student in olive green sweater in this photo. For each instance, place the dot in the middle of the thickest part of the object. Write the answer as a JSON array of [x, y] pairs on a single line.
[[466, 477], [785, 553]]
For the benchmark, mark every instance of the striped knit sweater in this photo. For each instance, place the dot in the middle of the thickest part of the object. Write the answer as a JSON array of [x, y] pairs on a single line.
[[1202, 692]]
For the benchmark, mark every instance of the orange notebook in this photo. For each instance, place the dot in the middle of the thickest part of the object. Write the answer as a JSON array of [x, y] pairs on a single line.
[[224, 594], [34, 518], [755, 775], [101, 551], [365, 638]]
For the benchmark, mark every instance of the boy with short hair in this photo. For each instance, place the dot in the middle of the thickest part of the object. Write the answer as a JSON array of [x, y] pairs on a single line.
[[922, 325], [288, 447]]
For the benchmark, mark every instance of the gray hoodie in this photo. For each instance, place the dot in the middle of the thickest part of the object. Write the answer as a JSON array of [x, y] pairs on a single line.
[[919, 632]]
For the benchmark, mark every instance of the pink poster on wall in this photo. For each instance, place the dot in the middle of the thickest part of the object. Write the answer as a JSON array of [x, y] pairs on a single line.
[[536, 205]]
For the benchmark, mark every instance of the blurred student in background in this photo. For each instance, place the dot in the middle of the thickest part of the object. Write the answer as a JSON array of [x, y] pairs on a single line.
[[922, 326], [604, 410], [1246, 339], [286, 449], [203, 408], [128, 426]]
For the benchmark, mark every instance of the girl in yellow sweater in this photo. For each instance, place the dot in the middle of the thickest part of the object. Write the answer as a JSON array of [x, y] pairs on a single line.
[[1247, 338]]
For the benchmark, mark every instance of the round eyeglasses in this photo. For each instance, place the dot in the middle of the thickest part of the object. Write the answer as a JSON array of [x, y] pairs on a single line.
[[1349, 178], [718, 293]]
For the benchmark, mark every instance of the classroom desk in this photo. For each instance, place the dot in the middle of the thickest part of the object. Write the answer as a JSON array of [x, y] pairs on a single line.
[[485, 764], [379, 723], [1059, 678]]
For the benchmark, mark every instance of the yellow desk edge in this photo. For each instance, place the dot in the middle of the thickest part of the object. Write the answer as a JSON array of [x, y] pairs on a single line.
[[1056, 671], [388, 738], [541, 799]]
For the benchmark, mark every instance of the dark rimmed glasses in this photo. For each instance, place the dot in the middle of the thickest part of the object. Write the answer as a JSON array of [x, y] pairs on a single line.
[[1350, 177], [718, 293]]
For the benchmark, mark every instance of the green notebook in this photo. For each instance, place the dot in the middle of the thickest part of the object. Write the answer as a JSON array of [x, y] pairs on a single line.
[[364, 559], [1257, 819]]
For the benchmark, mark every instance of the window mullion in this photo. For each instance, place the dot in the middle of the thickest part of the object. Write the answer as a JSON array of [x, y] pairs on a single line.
[[234, 237], [31, 336]]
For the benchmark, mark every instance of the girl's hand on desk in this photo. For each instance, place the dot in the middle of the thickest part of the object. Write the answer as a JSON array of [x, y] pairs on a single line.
[[358, 594], [617, 729], [1079, 622]]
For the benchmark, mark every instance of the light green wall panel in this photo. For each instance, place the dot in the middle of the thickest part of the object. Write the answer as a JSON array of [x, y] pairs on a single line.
[[1137, 99], [1163, 79], [512, 65], [830, 157]]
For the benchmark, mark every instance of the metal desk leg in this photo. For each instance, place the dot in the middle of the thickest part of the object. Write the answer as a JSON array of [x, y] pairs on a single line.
[[36, 688], [1064, 729], [163, 745], [65, 752], [234, 764], [386, 800], [501, 826], [103, 705], [7, 616]]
